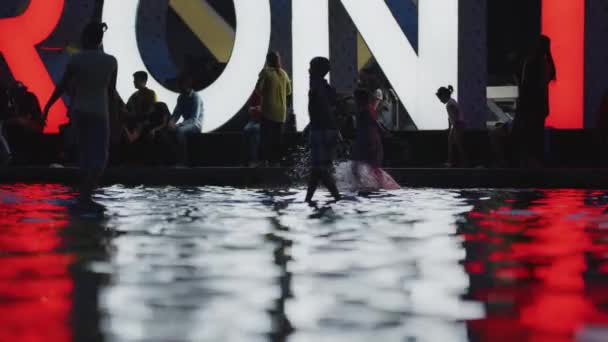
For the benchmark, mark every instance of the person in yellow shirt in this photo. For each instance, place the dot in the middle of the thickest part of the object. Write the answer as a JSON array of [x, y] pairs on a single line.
[[274, 86]]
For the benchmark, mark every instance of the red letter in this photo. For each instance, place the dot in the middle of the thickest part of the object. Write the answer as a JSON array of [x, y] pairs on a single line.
[[564, 22], [18, 39]]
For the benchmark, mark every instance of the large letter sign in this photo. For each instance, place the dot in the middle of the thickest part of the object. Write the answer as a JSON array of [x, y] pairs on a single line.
[[230, 92], [18, 39], [310, 31], [415, 77]]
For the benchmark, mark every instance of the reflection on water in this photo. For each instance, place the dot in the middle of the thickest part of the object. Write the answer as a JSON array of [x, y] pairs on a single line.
[[222, 264]]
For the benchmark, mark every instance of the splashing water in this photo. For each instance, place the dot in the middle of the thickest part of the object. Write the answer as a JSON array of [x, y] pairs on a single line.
[[356, 176], [350, 176]]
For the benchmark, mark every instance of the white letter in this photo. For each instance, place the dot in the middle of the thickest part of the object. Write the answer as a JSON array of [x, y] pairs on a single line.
[[310, 30], [414, 77], [227, 95]]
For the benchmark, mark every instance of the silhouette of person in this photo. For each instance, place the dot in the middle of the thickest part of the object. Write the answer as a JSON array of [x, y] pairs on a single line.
[[24, 124], [323, 128], [274, 86], [601, 132], [5, 151], [252, 129], [368, 153], [456, 127], [189, 108], [92, 73], [155, 137], [139, 106], [368, 145], [533, 103]]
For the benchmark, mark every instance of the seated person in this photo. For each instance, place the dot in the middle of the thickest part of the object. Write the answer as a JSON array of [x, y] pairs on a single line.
[[139, 106], [252, 129], [155, 134], [24, 123], [189, 108]]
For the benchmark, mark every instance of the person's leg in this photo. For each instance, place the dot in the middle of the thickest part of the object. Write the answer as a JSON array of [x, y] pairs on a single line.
[[255, 143], [459, 145], [5, 151], [252, 134], [450, 161], [183, 132], [264, 140], [539, 151], [276, 145], [330, 183], [313, 183], [93, 143]]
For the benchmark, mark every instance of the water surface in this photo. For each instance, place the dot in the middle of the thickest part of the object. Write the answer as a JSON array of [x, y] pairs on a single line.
[[224, 264]]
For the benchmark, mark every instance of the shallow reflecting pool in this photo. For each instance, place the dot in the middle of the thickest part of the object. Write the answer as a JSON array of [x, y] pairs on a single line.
[[224, 264]]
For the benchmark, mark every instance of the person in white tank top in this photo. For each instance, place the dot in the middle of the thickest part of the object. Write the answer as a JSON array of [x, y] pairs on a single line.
[[456, 127], [93, 76]]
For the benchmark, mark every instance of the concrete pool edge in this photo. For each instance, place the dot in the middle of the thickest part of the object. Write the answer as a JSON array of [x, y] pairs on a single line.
[[250, 177]]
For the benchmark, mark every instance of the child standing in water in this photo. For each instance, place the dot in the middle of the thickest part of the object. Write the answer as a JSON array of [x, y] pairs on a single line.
[[456, 130], [323, 128]]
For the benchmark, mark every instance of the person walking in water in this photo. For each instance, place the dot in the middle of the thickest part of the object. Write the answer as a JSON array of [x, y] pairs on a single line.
[[368, 151], [274, 86], [456, 124], [533, 103], [93, 76], [323, 128]]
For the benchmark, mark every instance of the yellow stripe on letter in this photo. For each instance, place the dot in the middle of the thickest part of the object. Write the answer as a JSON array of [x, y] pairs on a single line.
[[210, 28]]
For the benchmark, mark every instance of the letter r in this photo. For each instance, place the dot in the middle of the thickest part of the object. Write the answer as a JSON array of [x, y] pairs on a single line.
[[18, 39]]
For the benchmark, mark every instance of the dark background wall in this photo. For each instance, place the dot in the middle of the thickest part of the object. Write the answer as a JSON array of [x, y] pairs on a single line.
[[512, 28]]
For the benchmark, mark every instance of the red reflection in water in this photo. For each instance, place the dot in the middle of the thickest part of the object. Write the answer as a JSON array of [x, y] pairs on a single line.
[[35, 284], [532, 268]]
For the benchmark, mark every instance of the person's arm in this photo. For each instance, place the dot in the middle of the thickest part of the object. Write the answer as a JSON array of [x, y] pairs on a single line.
[[260, 86], [177, 112], [59, 91], [112, 93], [289, 90], [36, 121]]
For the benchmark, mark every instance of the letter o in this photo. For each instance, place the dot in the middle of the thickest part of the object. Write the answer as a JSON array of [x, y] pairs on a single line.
[[227, 95]]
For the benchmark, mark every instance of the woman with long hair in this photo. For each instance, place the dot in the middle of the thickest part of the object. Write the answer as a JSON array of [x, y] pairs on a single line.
[[365, 170], [274, 86]]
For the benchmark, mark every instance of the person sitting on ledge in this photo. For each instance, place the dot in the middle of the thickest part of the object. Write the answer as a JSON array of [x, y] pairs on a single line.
[[139, 106], [154, 134], [24, 124], [252, 129], [190, 108]]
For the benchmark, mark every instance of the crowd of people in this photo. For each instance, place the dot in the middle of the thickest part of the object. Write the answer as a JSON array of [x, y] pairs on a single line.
[[144, 129]]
